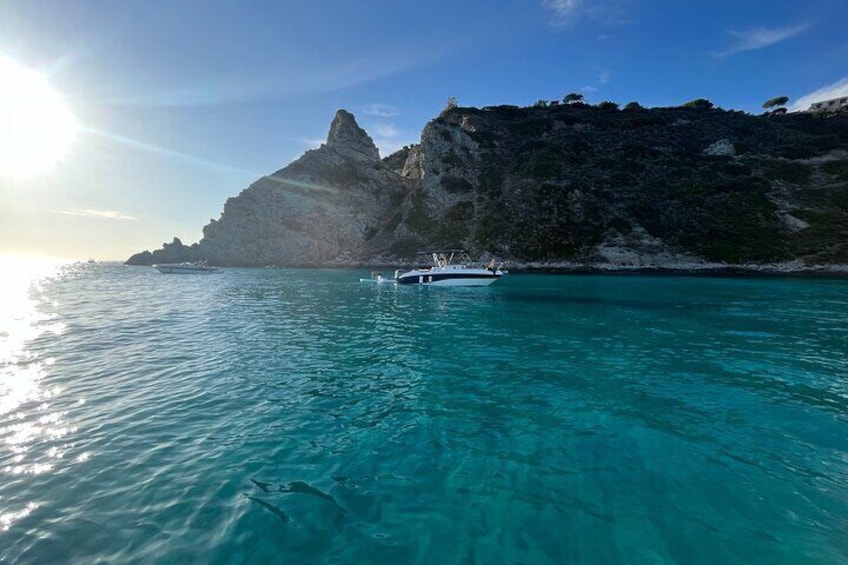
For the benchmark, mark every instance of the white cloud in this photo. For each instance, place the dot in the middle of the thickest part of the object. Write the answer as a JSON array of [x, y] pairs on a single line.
[[103, 214], [380, 110], [562, 11], [836, 90], [605, 77], [312, 143], [389, 146], [757, 38], [386, 130]]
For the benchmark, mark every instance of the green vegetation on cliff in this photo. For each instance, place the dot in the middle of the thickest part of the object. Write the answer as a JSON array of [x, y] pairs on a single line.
[[557, 181]]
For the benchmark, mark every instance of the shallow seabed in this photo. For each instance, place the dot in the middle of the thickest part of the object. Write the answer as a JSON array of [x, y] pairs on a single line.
[[302, 416]]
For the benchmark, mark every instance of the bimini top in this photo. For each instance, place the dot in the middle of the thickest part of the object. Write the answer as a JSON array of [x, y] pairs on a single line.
[[444, 257], [429, 251]]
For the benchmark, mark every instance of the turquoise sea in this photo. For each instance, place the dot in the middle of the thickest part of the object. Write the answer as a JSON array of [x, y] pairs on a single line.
[[301, 416]]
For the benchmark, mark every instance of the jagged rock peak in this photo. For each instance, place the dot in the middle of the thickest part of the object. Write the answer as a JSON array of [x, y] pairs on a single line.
[[348, 138]]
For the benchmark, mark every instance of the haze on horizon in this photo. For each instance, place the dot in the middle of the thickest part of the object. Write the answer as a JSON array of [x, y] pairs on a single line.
[[171, 110]]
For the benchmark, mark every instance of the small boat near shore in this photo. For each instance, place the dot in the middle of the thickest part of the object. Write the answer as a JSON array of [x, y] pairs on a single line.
[[451, 267], [378, 278], [186, 268]]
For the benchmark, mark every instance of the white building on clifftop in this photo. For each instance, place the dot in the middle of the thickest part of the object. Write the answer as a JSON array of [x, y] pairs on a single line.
[[829, 105]]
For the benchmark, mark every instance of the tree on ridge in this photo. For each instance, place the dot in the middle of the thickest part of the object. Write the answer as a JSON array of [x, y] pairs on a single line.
[[777, 101], [573, 97]]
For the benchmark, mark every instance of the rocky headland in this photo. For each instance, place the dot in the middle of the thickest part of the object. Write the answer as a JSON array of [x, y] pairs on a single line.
[[554, 187]]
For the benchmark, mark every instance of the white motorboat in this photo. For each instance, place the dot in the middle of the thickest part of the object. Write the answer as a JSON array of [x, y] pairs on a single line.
[[451, 267], [186, 268]]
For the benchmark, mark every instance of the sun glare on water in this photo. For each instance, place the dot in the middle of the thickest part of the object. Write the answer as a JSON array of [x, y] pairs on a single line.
[[21, 322], [31, 426], [36, 127]]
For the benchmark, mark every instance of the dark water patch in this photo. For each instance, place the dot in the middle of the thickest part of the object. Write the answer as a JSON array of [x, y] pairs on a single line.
[[275, 510]]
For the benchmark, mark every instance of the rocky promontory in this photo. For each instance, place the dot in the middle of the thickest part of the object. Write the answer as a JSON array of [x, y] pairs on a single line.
[[568, 186]]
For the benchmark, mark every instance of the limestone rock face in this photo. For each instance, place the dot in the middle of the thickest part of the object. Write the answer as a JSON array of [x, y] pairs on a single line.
[[348, 139], [413, 168], [722, 147], [322, 209]]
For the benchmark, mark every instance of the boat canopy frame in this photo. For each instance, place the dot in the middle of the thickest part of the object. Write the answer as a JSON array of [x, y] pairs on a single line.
[[445, 257]]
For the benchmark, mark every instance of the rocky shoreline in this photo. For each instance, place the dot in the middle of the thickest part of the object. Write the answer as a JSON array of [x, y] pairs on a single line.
[[695, 268], [789, 268], [827, 271]]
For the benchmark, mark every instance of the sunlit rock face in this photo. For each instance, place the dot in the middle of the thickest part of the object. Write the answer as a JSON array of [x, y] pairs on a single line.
[[721, 148], [320, 210], [552, 186], [350, 140]]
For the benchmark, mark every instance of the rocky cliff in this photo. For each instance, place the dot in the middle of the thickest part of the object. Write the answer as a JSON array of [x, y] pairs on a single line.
[[566, 185]]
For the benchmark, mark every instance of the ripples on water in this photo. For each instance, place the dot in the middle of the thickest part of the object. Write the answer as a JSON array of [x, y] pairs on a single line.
[[301, 416]]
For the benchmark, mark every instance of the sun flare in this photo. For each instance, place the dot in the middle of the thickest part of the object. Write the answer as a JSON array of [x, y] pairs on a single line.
[[36, 127]]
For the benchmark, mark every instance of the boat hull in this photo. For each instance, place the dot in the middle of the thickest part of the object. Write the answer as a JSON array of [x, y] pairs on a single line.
[[450, 277]]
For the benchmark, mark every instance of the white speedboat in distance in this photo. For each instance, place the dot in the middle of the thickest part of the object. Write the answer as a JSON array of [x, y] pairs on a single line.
[[186, 268], [451, 267]]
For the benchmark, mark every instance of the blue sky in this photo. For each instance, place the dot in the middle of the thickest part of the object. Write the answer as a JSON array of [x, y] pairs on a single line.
[[183, 104]]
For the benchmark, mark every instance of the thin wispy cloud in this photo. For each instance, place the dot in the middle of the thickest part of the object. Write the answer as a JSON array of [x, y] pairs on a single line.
[[211, 91], [380, 110], [386, 130], [307, 78], [101, 214], [314, 143], [159, 150], [758, 38], [388, 146], [388, 137], [838, 89], [372, 65], [562, 12]]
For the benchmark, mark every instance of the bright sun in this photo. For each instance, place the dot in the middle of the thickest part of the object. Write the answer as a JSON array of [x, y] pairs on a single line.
[[36, 128]]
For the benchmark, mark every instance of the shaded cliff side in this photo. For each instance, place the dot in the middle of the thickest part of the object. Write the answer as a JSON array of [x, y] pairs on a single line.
[[564, 185]]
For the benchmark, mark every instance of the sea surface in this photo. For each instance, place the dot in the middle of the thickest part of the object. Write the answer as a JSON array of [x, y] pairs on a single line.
[[303, 416]]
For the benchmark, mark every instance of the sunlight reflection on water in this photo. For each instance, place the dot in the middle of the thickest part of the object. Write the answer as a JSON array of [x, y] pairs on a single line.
[[24, 402]]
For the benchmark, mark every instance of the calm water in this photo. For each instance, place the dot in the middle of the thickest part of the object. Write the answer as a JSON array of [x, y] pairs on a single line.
[[300, 416]]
